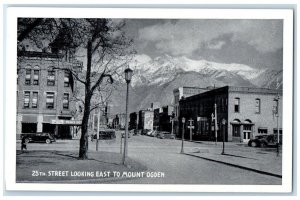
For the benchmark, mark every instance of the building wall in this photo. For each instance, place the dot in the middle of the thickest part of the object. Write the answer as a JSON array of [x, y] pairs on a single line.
[[246, 121], [199, 108], [263, 119], [42, 115]]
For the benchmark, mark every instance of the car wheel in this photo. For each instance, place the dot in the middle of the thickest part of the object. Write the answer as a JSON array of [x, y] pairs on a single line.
[[263, 145], [48, 141], [253, 144], [26, 140]]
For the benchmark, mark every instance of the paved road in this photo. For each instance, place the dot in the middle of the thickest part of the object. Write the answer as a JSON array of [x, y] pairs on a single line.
[[164, 156]]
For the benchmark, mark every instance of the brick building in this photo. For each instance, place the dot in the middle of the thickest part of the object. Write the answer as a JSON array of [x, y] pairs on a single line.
[[162, 118], [247, 111], [180, 93], [44, 93]]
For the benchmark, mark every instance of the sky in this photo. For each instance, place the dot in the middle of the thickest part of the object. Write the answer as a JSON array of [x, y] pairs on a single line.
[[257, 43]]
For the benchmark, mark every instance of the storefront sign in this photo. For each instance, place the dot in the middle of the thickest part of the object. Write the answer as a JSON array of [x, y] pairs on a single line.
[[66, 122]]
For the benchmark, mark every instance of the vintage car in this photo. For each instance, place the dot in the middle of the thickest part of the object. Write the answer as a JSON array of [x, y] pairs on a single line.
[[265, 140], [38, 137], [106, 135], [165, 135]]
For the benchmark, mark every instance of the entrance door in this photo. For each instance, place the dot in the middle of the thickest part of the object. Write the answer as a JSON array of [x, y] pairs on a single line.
[[246, 133]]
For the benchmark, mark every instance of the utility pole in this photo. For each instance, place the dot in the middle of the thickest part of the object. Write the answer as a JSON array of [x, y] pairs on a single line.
[[214, 117], [98, 129]]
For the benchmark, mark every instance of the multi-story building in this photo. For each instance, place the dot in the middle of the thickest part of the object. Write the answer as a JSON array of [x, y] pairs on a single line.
[[44, 93], [246, 112], [163, 118], [179, 93], [145, 120], [119, 121]]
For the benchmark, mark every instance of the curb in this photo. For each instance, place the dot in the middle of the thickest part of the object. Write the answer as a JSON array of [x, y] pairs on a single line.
[[237, 166]]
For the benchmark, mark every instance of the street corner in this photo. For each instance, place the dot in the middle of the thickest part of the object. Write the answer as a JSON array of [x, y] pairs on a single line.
[[65, 167]]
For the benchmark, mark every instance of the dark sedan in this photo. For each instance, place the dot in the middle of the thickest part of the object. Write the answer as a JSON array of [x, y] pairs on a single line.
[[263, 140], [165, 135], [38, 137]]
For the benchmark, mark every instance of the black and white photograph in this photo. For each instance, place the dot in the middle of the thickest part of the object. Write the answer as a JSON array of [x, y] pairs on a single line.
[[160, 101]]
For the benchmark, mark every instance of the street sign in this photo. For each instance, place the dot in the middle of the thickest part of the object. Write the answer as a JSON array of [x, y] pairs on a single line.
[[191, 127]]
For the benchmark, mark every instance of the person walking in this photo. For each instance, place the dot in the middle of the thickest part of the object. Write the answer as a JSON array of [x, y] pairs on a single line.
[[23, 144]]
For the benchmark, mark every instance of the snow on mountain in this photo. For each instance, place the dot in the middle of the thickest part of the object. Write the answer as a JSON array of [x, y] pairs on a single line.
[[165, 68]]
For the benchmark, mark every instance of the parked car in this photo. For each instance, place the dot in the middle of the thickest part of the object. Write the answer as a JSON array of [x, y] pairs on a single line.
[[154, 133], [165, 135], [106, 135], [38, 137], [263, 140], [145, 131], [123, 134], [149, 133]]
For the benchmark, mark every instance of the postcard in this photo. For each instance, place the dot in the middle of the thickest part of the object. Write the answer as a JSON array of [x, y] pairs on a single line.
[[159, 100]]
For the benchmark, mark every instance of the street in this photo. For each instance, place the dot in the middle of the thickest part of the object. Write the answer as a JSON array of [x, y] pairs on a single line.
[[163, 155]]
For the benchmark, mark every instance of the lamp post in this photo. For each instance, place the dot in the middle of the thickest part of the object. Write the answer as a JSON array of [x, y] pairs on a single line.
[[182, 137], [128, 75], [223, 123]]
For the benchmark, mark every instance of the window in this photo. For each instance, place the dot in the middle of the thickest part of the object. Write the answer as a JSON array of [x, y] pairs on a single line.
[[26, 99], [66, 101], [257, 105], [262, 131], [67, 79], [237, 105], [275, 107], [28, 77], [36, 77], [50, 100], [51, 78], [34, 100], [275, 131], [18, 74]]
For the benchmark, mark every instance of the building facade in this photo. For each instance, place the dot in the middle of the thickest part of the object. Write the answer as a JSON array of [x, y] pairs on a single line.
[[245, 113], [145, 119], [44, 93], [179, 93], [163, 118]]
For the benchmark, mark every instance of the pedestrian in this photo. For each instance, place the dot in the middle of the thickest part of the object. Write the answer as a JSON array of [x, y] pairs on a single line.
[[23, 144]]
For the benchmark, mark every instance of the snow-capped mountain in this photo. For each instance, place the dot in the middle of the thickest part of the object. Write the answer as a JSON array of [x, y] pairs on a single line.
[[155, 79], [165, 68]]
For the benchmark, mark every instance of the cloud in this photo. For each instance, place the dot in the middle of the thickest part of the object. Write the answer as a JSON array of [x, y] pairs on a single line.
[[186, 36]]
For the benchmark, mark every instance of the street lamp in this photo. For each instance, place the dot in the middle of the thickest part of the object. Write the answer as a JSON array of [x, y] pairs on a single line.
[[224, 126], [128, 75], [182, 137], [277, 115]]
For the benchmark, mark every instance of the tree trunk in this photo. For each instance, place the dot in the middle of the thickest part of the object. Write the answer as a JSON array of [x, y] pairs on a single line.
[[83, 149]]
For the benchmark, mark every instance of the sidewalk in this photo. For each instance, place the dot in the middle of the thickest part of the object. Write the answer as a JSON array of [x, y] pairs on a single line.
[[260, 160], [64, 167]]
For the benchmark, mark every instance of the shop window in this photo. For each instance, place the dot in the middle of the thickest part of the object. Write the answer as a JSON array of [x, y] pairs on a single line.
[[34, 99], [257, 105], [51, 78], [50, 100], [26, 99], [262, 131], [28, 77], [36, 77], [237, 105], [66, 101]]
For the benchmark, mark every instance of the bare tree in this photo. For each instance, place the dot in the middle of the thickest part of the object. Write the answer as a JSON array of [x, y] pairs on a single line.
[[104, 45]]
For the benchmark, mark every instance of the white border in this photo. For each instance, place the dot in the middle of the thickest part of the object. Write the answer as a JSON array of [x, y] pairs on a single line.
[[10, 96]]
